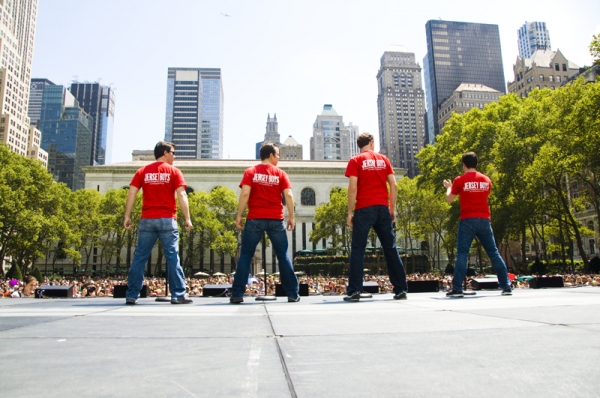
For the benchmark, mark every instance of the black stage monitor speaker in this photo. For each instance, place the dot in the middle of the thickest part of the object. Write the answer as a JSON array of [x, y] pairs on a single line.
[[484, 283], [423, 286], [121, 290], [53, 291], [279, 292], [370, 287], [548, 281], [215, 290]]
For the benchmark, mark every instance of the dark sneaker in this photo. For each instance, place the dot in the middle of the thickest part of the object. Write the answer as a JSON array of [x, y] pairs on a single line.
[[236, 300], [454, 293], [130, 301], [291, 300], [352, 297], [400, 296], [181, 300], [507, 292]]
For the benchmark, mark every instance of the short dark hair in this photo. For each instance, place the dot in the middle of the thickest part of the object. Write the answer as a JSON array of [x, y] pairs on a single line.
[[267, 149], [364, 139], [469, 159], [161, 147]]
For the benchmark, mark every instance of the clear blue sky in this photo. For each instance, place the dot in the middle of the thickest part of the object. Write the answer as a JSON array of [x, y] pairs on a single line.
[[286, 57]]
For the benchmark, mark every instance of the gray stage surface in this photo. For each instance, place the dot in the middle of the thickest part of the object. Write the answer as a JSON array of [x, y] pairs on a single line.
[[537, 343]]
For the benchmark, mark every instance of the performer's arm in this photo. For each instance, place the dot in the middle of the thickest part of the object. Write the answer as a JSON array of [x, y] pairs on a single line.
[[242, 202], [129, 206], [352, 189], [289, 203]]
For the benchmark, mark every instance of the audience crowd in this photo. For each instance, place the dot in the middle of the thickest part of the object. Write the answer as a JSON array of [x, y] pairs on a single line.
[[101, 287]]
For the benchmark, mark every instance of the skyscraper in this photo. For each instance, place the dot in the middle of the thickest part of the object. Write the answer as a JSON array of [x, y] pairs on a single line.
[[194, 117], [17, 34], [459, 52], [98, 102], [330, 140], [66, 136], [401, 108], [533, 36], [35, 99], [271, 134]]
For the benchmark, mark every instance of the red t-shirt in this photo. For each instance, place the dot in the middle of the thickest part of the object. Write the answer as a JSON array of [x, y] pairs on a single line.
[[474, 189], [267, 183], [158, 182], [372, 170]]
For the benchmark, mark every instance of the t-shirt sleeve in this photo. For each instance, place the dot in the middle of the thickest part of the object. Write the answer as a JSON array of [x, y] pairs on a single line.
[[179, 181], [284, 181], [247, 178], [456, 187], [351, 169], [137, 179]]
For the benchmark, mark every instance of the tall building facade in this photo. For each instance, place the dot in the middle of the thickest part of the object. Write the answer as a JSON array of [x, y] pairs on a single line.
[[194, 117], [99, 103], [288, 150], [545, 69], [271, 134], [466, 97], [533, 36], [66, 136], [331, 139], [459, 52], [36, 90], [17, 34], [354, 132], [401, 108]]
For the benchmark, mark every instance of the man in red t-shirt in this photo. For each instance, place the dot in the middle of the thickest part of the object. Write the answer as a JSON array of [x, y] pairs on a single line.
[[370, 206], [262, 188], [160, 182], [474, 189]]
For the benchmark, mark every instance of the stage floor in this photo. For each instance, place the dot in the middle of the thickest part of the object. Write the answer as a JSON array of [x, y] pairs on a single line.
[[536, 343]]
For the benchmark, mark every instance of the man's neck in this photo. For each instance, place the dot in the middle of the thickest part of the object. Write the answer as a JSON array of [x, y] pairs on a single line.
[[470, 170]]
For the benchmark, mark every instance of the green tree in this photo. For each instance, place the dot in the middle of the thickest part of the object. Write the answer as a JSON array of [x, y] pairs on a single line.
[[595, 49], [14, 273], [31, 209], [112, 214], [330, 221], [35, 272]]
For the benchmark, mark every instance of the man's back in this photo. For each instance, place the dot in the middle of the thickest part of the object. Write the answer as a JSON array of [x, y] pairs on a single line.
[[473, 189], [158, 181]]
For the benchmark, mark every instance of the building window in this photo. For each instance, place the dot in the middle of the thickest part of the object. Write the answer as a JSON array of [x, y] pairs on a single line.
[[541, 78], [550, 78], [564, 67], [556, 66], [307, 197]]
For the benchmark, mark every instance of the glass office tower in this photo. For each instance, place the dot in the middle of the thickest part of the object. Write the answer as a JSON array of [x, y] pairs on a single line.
[[98, 102], [66, 136], [194, 112], [459, 52], [533, 36]]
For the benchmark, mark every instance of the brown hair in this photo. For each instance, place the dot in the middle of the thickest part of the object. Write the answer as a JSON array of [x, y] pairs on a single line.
[[364, 139]]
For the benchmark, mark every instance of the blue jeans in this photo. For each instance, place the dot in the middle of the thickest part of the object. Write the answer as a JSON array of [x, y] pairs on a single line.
[[468, 229], [379, 218], [149, 231], [253, 233]]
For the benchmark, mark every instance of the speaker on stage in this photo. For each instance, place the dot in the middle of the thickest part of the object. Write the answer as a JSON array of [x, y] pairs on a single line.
[[547, 281], [121, 290], [484, 283], [53, 291], [423, 286], [370, 287], [216, 290], [303, 291]]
